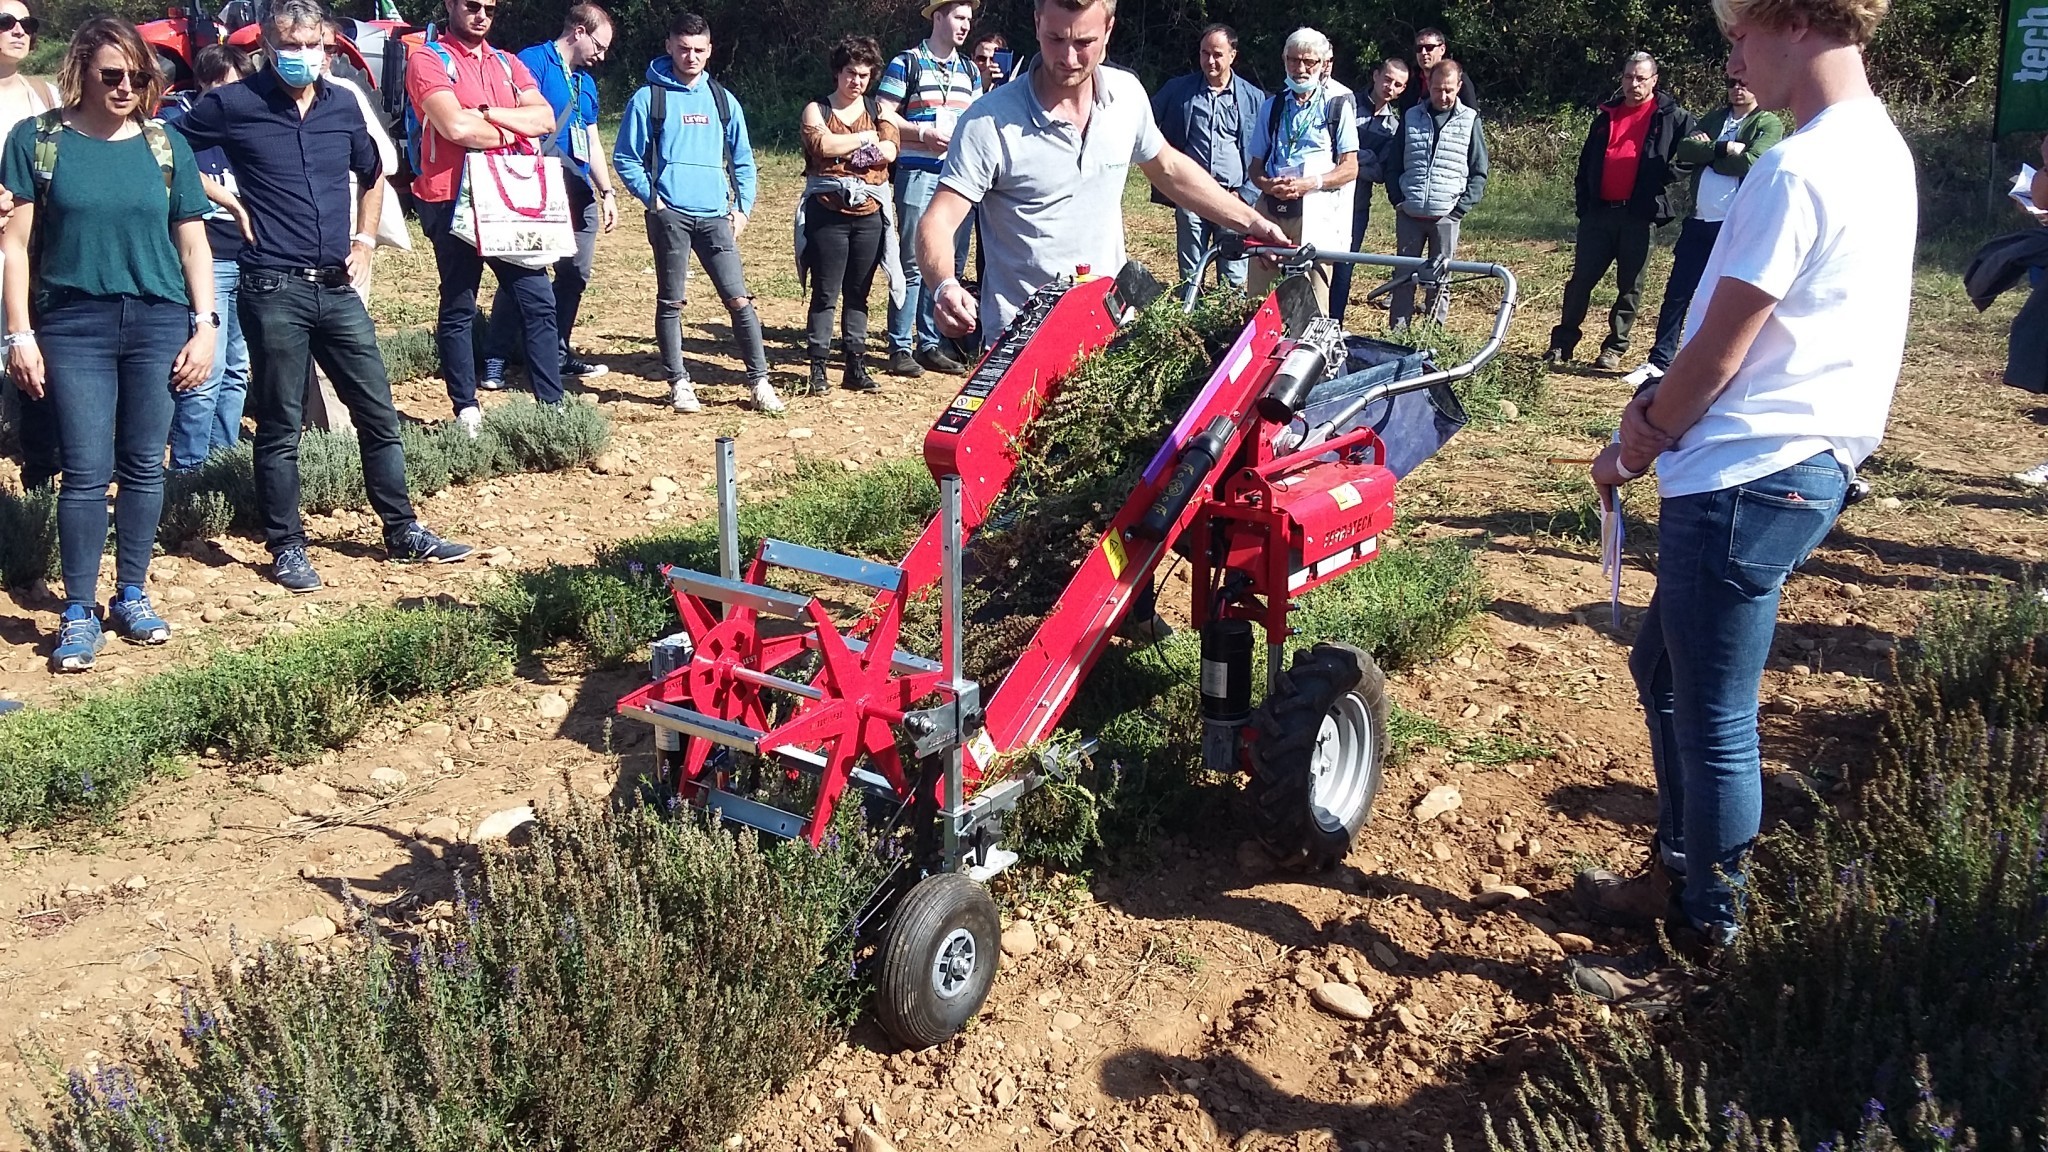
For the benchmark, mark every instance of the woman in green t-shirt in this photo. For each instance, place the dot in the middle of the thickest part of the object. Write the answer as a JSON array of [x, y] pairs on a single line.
[[108, 310]]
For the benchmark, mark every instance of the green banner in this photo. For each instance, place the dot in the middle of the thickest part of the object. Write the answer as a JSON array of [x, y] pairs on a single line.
[[2023, 77]]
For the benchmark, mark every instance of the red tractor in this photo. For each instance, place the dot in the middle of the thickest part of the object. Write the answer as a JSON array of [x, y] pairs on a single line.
[[369, 52], [1278, 478]]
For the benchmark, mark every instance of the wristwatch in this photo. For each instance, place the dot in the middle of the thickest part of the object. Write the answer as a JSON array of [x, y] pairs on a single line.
[[209, 319]]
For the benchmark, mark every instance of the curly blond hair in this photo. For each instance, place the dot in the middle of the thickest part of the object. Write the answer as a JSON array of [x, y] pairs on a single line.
[[1854, 21]]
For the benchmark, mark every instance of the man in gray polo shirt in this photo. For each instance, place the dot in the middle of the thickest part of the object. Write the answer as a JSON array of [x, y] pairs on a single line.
[[1045, 160]]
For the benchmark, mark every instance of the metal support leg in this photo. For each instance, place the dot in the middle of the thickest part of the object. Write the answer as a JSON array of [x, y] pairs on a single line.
[[1276, 662], [728, 509], [950, 548]]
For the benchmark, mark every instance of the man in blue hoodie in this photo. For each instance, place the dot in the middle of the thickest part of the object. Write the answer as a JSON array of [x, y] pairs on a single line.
[[682, 149]]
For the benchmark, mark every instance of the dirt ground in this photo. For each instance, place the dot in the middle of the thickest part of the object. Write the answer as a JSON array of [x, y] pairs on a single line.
[[1164, 1008]]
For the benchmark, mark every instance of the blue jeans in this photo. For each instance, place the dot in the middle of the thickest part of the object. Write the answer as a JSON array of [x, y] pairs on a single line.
[[209, 417], [293, 324], [914, 191], [1340, 279], [1688, 263], [107, 364], [462, 272], [1192, 236], [1698, 663]]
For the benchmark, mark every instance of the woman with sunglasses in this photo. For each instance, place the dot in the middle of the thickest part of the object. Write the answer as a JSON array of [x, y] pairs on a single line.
[[20, 98], [116, 313]]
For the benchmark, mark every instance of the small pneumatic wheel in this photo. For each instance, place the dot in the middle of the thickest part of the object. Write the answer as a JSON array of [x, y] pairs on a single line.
[[1318, 760], [939, 958]]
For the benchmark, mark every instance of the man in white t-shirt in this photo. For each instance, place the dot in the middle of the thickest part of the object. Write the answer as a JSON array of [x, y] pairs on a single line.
[[1779, 390], [1044, 158]]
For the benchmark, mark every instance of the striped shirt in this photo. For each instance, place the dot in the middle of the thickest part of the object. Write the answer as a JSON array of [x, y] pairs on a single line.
[[944, 89]]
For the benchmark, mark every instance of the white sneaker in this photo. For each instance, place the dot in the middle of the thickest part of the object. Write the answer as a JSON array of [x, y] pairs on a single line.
[[2033, 477], [1643, 375], [682, 395], [765, 398], [472, 421]]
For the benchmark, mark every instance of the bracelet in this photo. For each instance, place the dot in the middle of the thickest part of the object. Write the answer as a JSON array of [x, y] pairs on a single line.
[[16, 339], [948, 282], [608, 192], [1622, 470], [363, 238]]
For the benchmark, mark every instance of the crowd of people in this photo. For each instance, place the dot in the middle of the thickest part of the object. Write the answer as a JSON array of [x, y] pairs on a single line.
[[1778, 345]]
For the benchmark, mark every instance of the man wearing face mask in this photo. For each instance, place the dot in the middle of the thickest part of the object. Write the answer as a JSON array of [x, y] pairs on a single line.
[[294, 140], [474, 97], [1304, 147]]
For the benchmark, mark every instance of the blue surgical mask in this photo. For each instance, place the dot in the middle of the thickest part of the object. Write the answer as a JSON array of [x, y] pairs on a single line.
[[299, 67], [1303, 87]]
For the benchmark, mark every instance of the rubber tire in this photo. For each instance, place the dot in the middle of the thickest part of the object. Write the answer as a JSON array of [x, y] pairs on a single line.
[[908, 1008], [1287, 726]]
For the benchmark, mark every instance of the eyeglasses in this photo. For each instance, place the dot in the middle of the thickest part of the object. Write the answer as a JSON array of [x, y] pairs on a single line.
[[479, 8], [138, 78], [28, 25]]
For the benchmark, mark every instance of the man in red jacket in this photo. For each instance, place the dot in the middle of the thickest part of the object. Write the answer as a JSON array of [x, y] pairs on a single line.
[[1621, 194]]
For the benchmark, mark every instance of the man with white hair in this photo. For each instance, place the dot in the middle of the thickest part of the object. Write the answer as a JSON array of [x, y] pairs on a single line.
[[1304, 148], [1044, 157], [294, 140]]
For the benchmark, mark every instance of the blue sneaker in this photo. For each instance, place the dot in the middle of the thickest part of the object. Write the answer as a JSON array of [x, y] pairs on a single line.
[[416, 545], [493, 379], [133, 617], [292, 570], [79, 640]]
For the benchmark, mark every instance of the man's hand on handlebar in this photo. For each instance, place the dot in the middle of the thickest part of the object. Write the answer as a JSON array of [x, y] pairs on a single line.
[[1262, 231], [955, 310]]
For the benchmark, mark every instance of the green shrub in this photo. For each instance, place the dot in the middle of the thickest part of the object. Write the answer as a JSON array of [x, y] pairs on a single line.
[[409, 354], [287, 697], [28, 535], [624, 982], [1408, 607], [1516, 377], [220, 495], [620, 603]]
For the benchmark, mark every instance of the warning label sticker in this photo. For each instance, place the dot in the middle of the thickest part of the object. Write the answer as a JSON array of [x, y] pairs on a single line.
[[1346, 496], [1113, 551]]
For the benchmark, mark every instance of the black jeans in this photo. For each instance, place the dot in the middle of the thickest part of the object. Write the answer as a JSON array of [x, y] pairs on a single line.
[[291, 324], [572, 276], [674, 236], [844, 252], [462, 272], [1688, 262], [1608, 237]]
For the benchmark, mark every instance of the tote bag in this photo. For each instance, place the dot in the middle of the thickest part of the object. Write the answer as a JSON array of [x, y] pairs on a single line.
[[514, 207]]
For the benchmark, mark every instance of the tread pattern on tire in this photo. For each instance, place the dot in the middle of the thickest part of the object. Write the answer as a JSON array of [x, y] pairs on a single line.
[[905, 1004], [1287, 725]]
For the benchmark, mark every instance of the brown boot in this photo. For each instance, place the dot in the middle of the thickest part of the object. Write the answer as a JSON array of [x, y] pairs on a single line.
[[1637, 901]]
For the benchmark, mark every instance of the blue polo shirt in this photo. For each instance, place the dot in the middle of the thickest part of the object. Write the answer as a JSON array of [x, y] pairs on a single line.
[[566, 87], [293, 172]]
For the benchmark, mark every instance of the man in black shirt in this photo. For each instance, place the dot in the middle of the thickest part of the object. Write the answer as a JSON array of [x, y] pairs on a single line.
[[1431, 49], [294, 140]]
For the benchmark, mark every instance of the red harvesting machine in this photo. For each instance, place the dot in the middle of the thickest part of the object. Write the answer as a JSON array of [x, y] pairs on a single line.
[[1278, 478]]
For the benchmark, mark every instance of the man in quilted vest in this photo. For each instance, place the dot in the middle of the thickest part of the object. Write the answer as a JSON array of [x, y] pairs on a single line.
[[1437, 173]]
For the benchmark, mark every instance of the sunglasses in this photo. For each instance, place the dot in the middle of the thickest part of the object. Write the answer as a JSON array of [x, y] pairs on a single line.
[[1434, 47], [28, 24], [1734, 83], [478, 8], [137, 78]]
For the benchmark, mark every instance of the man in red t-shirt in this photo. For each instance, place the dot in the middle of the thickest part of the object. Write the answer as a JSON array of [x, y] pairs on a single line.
[[1621, 194], [473, 97]]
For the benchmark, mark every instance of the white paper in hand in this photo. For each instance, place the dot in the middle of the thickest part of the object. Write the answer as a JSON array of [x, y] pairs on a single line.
[[2023, 192], [1612, 534]]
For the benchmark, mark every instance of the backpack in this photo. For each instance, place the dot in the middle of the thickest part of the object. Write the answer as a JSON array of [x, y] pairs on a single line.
[[1333, 111], [657, 115], [415, 125]]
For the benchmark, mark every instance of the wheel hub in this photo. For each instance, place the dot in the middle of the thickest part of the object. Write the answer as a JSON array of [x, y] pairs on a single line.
[[953, 967], [1341, 765]]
